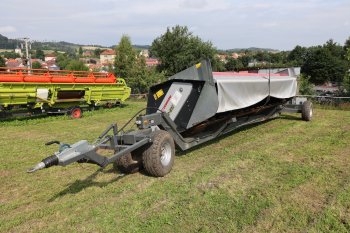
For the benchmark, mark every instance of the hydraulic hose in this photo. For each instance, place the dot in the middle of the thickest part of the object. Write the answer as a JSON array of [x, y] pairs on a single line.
[[45, 163]]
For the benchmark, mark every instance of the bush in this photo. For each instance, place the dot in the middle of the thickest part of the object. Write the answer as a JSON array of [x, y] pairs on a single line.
[[305, 87]]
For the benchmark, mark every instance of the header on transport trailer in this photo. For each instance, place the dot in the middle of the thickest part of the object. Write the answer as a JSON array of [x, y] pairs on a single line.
[[192, 107], [58, 91]]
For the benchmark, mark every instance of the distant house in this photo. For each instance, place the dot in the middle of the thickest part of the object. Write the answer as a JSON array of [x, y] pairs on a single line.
[[234, 55], [14, 63], [18, 51], [88, 53], [54, 67], [107, 56], [36, 60], [90, 60], [50, 57], [326, 88], [222, 57], [95, 67], [145, 53], [291, 71], [51, 65], [150, 62], [256, 63]]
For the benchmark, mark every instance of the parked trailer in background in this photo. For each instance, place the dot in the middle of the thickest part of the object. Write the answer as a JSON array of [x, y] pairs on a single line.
[[35, 91], [191, 108]]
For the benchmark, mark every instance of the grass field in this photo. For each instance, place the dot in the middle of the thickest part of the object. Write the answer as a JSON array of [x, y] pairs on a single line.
[[281, 175]]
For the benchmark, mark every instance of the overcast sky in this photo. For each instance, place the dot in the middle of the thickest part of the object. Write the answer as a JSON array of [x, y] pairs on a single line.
[[226, 23]]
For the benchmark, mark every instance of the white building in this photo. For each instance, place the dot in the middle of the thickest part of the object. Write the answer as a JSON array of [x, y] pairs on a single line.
[[107, 56]]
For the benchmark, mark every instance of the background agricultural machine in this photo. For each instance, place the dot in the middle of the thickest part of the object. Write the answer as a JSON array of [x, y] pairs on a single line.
[[36, 91], [192, 107]]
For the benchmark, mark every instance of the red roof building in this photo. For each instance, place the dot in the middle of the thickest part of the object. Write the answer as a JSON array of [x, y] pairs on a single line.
[[13, 63], [107, 56], [88, 53], [49, 57], [108, 52], [150, 62]]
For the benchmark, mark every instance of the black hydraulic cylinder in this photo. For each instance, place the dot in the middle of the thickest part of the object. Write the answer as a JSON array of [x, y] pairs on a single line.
[[45, 163]]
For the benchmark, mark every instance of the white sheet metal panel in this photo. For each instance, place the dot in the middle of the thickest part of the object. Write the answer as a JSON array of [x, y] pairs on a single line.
[[175, 98], [42, 94], [236, 92]]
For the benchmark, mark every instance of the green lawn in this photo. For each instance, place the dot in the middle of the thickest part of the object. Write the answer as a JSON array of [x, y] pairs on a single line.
[[281, 175]]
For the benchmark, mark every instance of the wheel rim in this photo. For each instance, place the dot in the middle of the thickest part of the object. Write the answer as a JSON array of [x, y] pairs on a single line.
[[311, 112], [165, 157], [76, 113]]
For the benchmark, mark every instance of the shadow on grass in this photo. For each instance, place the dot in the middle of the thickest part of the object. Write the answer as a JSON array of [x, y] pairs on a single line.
[[25, 117], [241, 129], [79, 185], [21, 118], [291, 117]]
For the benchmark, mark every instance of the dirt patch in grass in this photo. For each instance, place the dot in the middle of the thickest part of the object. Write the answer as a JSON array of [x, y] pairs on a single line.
[[309, 196], [155, 208]]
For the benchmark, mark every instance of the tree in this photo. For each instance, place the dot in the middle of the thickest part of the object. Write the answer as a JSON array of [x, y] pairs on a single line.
[[125, 58], [39, 54], [346, 79], [346, 84], [80, 51], [322, 66], [62, 61], [10, 55], [142, 78], [347, 43], [97, 52], [36, 65], [76, 65], [178, 49], [2, 62], [277, 58], [334, 48], [218, 65], [133, 68], [305, 87], [233, 64], [297, 55], [262, 56]]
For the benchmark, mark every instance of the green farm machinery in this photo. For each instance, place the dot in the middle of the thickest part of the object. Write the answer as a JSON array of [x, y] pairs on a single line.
[[38, 91]]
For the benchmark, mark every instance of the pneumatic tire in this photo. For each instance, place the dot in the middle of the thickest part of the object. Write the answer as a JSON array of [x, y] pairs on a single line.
[[307, 111], [75, 112], [128, 163], [158, 157]]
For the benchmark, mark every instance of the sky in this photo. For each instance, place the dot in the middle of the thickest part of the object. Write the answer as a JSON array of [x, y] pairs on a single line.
[[226, 23]]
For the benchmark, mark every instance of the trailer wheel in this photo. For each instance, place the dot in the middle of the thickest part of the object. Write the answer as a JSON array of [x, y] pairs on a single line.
[[128, 163], [109, 105], [158, 158], [307, 111], [75, 112]]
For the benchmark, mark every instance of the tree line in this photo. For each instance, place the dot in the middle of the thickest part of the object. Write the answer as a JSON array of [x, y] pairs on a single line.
[[178, 49]]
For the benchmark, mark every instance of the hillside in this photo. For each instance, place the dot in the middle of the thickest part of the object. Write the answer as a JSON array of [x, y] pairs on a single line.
[[250, 49], [284, 175], [6, 43]]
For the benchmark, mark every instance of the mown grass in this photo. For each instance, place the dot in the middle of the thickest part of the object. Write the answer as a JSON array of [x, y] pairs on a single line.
[[281, 175]]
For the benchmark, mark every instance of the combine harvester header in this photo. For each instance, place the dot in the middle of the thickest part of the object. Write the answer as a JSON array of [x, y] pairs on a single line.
[[53, 76], [35, 91], [192, 107]]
